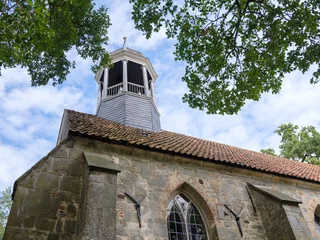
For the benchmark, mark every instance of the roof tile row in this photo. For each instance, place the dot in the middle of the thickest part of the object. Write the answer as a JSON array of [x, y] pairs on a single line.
[[190, 146]]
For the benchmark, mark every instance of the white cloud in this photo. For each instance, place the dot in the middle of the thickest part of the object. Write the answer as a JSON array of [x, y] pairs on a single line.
[[254, 126], [123, 25], [30, 117], [16, 160]]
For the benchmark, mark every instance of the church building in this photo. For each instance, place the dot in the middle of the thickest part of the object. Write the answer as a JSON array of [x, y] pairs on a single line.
[[117, 175]]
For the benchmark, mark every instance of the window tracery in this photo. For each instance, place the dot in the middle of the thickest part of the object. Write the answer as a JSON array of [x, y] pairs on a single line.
[[184, 220]]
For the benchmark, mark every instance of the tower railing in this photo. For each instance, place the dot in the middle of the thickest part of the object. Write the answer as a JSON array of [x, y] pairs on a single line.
[[115, 89], [135, 88], [132, 87]]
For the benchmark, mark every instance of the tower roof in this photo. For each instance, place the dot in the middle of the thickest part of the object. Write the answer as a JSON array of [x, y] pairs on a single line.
[[130, 55]]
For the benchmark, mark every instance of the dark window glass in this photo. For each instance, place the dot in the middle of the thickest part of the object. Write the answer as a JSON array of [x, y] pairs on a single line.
[[181, 236], [172, 227], [317, 215], [176, 224], [173, 236], [184, 220], [317, 218], [195, 224]]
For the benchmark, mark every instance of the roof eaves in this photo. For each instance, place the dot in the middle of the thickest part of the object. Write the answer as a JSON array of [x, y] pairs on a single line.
[[224, 162]]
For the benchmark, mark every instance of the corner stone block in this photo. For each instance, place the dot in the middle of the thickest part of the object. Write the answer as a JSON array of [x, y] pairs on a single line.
[[223, 232], [47, 181], [66, 166], [29, 221], [44, 224], [14, 219], [70, 226], [38, 199], [62, 152], [100, 212], [297, 222], [99, 221], [70, 183]]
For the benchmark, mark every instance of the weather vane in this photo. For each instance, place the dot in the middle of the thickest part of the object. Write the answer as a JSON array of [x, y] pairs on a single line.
[[124, 41]]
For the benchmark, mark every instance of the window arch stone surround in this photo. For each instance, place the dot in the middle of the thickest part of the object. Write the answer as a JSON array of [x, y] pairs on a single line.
[[200, 203], [184, 220]]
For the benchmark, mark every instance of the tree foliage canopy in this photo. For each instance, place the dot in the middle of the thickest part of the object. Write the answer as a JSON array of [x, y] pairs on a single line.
[[269, 151], [36, 34], [235, 50], [5, 205], [302, 145]]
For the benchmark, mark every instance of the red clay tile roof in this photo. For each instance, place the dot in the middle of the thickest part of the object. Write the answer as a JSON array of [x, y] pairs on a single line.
[[190, 146]]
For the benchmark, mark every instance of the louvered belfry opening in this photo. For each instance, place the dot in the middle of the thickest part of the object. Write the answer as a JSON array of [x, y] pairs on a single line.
[[126, 91]]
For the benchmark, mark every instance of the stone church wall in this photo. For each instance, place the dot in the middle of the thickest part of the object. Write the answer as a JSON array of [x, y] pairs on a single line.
[[49, 201], [47, 198], [161, 176], [272, 211]]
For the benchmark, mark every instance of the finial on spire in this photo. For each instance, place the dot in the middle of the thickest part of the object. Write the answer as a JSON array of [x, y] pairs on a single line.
[[124, 41]]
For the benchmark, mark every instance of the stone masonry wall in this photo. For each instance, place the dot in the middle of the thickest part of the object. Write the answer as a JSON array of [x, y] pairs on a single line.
[[273, 216], [47, 198], [160, 177], [100, 206], [82, 208], [297, 222]]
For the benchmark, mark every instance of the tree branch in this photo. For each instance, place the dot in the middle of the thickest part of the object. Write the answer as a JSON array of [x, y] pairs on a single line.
[[308, 155]]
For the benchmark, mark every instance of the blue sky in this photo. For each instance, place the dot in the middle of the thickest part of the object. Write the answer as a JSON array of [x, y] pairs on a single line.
[[30, 117]]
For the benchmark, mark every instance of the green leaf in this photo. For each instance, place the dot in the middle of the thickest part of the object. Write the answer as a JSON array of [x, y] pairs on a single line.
[[38, 34], [235, 50], [5, 206], [302, 145], [269, 151]]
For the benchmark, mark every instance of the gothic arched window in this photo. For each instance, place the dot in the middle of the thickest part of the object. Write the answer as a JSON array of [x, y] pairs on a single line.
[[184, 220], [317, 218]]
